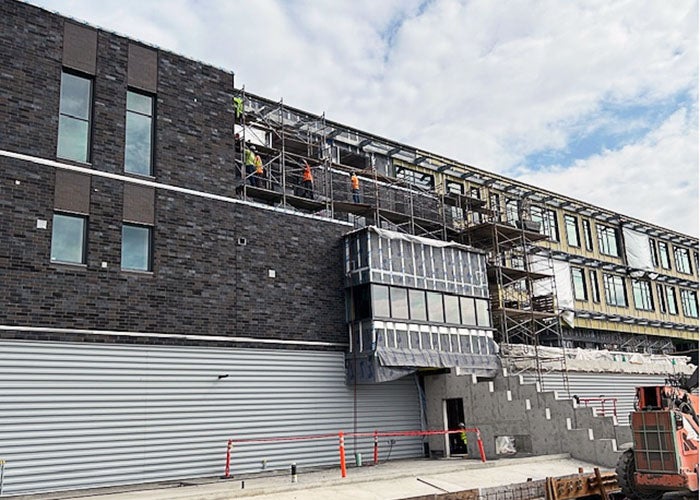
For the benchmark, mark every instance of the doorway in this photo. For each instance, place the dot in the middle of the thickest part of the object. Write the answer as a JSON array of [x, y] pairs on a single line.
[[454, 415]]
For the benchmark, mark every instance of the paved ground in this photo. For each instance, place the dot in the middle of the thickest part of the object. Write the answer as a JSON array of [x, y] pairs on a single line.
[[393, 480]]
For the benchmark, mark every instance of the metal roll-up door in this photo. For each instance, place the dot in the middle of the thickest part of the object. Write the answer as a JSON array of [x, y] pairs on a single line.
[[86, 415]]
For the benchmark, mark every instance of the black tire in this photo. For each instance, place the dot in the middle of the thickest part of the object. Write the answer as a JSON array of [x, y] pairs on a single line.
[[625, 479]]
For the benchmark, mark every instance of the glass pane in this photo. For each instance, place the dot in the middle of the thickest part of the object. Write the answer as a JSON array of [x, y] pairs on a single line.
[[380, 301], [399, 303], [68, 239], [136, 246], [452, 309], [465, 343], [75, 96], [468, 311], [435, 311], [482, 313], [140, 103], [137, 156], [417, 303], [72, 139]]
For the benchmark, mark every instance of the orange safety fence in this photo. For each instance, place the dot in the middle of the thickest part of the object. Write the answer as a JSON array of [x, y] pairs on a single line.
[[341, 442]]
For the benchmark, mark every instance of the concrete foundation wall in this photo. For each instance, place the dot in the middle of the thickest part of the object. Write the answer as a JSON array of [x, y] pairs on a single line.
[[542, 423]]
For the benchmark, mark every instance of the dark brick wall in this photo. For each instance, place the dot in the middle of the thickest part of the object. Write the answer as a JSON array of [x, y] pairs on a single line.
[[203, 282]]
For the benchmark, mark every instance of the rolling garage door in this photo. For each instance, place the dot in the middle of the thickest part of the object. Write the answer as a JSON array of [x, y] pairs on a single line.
[[86, 415]]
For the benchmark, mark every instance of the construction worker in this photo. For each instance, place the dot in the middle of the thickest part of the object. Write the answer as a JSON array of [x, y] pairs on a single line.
[[463, 435], [355, 185], [259, 171], [238, 107], [307, 181], [249, 160]]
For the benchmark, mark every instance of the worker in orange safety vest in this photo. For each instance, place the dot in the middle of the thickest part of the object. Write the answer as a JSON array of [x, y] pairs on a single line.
[[355, 185], [307, 181]]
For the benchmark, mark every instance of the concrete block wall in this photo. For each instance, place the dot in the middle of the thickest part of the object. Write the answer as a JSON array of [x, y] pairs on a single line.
[[506, 406]]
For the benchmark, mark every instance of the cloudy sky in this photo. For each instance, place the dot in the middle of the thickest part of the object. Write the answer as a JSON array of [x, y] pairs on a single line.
[[595, 99]]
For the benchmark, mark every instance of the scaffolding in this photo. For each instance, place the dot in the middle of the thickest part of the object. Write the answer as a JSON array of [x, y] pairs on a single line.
[[522, 284]]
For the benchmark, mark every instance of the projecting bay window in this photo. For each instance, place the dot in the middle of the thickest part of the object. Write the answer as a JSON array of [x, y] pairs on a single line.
[[579, 281], [572, 236], [136, 247], [548, 221], [641, 291], [68, 239], [607, 240], [138, 153], [682, 258], [671, 300], [615, 293], [595, 292], [689, 300], [75, 115], [587, 235], [664, 256]]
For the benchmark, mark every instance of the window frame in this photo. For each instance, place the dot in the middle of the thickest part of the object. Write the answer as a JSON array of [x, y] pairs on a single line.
[[690, 309], [149, 257], [681, 255], [581, 272], [664, 255], [548, 221], [84, 237], [571, 222], [88, 121], [587, 234], [607, 236], [671, 310], [642, 295], [152, 118], [654, 252], [595, 291], [661, 297], [610, 285]]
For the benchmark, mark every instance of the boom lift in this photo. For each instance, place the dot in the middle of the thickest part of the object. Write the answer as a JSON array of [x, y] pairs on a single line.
[[664, 453]]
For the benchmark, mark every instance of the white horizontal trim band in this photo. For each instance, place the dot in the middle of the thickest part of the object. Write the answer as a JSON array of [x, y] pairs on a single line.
[[159, 185], [180, 336]]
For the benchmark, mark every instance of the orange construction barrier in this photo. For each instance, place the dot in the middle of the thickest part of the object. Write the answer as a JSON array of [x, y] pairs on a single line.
[[227, 469], [343, 471], [376, 448]]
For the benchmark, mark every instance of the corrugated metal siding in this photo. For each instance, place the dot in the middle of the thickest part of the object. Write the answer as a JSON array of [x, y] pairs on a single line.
[[593, 385], [85, 415]]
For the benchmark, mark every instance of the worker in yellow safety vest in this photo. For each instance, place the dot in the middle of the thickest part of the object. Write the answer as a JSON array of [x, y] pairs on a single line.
[[249, 160], [307, 181], [463, 435], [259, 171]]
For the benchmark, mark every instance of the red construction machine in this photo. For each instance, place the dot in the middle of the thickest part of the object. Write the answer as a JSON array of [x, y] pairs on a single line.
[[664, 453]]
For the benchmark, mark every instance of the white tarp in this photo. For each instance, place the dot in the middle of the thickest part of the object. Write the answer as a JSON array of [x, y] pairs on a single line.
[[562, 281], [637, 249]]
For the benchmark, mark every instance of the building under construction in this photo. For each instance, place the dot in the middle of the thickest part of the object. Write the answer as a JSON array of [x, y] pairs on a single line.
[[172, 280]]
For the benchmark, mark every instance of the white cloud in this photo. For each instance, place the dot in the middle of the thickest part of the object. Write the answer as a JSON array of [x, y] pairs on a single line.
[[486, 83]]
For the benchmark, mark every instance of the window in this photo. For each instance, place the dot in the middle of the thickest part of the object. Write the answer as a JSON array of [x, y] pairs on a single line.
[[416, 304], [689, 299], [474, 192], [138, 154], [664, 257], [654, 253], [451, 309], [548, 221], [68, 238], [595, 293], [572, 236], [454, 187], [662, 298], [435, 311], [682, 258], [671, 300], [495, 205], [468, 311], [136, 248], [399, 302], [74, 117], [416, 178], [380, 301], [607, 240], [511, 211], [482, 312], [615, 294], [579, 280], [641, 291], [587, 234]]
